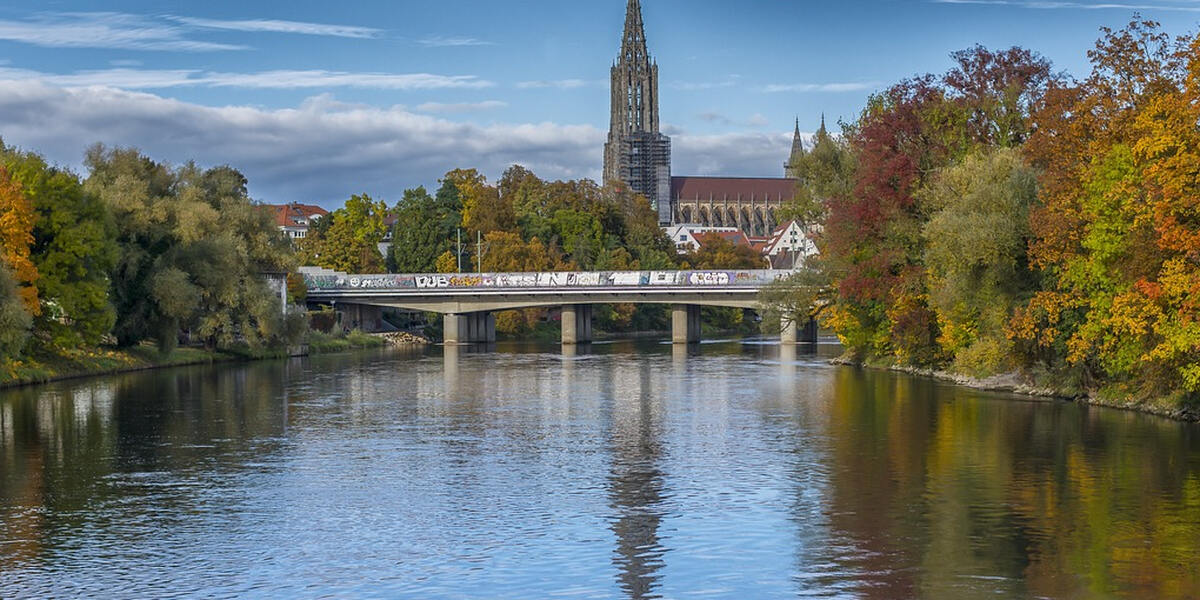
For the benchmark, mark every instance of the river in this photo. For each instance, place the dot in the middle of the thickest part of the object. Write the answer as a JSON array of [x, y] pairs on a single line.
[[628, 470]]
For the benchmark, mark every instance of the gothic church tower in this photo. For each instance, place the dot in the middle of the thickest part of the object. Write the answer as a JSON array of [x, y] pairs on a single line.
[[636, 153]]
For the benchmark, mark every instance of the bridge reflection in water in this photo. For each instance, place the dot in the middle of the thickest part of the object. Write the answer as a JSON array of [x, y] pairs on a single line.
[[468, 302]]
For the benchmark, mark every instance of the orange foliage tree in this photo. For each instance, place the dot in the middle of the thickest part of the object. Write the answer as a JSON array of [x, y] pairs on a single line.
[[1117, 229], [16, 236]]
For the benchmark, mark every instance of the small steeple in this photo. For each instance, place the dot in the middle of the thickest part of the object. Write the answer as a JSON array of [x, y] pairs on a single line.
[[790, 168], [821, 132]]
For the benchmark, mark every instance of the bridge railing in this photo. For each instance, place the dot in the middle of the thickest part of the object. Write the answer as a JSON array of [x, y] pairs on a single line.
[[580, 280]]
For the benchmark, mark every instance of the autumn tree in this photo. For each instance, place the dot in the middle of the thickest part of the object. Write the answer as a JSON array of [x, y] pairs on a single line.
[[16, 236], [872, 239], [1115, 231], [998, 90], [717, 252], [349, 238]]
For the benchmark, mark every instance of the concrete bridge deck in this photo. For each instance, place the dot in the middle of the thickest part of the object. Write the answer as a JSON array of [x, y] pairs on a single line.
[[468, 299]]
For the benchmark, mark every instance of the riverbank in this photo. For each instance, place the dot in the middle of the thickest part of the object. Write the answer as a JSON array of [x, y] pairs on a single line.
[[1024, 385], [72, 364]]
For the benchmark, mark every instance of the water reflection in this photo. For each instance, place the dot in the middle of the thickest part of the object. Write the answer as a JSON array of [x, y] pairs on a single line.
[[634, 469], [636, 484]]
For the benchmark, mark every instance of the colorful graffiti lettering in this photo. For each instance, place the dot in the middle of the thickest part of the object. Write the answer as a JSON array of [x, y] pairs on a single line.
[[579, 279]]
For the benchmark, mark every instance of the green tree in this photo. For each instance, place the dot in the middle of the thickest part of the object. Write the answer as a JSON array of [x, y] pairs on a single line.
[[976, 254], [73, 250], [421, 234], [15, 321], [193, 251], [138, 192], [826, 171], [350, 241]]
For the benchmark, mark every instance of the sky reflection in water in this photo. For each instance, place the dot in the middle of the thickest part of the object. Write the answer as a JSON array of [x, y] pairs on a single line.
[[632, 470]]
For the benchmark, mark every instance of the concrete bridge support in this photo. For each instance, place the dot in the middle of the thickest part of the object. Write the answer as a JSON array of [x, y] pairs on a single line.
[[576, 324], [469, 328], [798, 331], [685, 323], [361, 316]]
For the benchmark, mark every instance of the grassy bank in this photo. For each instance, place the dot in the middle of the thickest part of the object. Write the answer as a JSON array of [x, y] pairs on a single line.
[[323, 343], [41, 367]]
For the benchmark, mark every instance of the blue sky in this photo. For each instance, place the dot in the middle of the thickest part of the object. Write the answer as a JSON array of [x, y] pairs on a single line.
[[314, 101]]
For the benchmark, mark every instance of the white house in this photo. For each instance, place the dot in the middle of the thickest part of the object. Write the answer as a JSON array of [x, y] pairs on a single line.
[[684, 236], [790, 244]]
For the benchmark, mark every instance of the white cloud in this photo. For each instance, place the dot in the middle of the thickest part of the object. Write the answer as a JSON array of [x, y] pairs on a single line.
[[321, 150], [170, 78], [160, 33], [776, 88], [562, 84], [324, 150], [104, 30], [732, 154], [438, 41], [320, 79], [1179, 5], [125, 62], [461, 107], [277, 26]]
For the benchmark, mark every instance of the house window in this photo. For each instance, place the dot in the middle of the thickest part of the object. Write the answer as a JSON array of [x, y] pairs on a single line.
[[683, 238]]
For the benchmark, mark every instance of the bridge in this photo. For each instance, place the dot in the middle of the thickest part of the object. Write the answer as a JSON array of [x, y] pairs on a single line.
[[468, 301]]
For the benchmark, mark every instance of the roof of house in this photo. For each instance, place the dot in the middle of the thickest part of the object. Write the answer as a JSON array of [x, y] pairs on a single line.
[[737, 237], [290, 215], [779, 189]]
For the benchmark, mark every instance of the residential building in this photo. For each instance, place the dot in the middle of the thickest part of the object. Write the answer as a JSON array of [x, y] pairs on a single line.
[[294, 219]]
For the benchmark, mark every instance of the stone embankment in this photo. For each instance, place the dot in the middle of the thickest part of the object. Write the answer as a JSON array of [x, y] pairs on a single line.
[[404, 338]]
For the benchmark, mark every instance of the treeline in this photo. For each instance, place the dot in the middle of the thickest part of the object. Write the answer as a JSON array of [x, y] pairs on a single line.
[[1005, 217], [519, 224], [136, 251]]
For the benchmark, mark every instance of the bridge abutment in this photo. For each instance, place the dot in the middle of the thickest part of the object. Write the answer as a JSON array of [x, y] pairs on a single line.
[[576, 324], [685, 323]]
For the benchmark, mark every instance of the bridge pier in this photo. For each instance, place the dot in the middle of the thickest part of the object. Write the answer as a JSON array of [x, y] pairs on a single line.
[[576, 324], [469, 328], [685, 323], [791, 331]]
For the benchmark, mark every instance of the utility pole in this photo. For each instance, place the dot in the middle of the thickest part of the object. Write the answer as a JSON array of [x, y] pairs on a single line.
[[478, 251], [459, 250]]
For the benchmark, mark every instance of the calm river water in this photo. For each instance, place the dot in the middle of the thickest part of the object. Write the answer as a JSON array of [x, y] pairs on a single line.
[[631, 470]]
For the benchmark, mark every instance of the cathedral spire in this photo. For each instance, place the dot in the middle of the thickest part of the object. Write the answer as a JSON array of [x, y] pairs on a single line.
[[633, 42], [636, 153], [790, 169], [634, 79]]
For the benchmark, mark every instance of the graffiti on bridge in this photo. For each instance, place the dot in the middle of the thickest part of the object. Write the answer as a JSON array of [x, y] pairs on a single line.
[[581, 280]]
